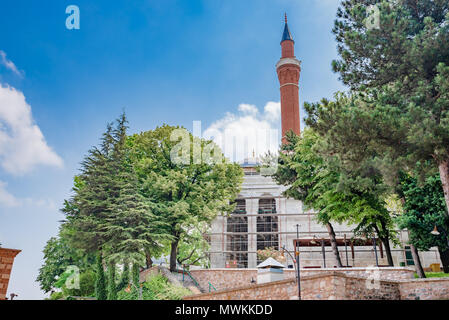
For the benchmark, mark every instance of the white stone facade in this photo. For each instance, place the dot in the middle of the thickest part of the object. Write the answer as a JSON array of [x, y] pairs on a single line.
[[230, 249]]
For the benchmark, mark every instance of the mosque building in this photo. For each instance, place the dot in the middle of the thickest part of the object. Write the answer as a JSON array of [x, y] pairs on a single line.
[[264, 218]]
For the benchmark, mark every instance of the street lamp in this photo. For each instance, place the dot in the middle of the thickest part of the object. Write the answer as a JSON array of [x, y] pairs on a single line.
[[297, 262], [435, 232], [296, 268]]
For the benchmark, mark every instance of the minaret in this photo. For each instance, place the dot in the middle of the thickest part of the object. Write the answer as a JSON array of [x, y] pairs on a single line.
[[288, 70]]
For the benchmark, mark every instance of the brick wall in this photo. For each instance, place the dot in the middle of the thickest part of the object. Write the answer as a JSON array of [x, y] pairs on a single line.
[[279, 290], [334, 285], [425, 289], [223, 279], [6, 261]]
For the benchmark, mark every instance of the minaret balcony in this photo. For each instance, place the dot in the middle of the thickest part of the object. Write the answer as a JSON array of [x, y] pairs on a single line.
[[285, 61]]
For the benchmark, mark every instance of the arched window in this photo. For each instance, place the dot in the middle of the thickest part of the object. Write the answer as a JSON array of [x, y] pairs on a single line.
[[237, 238], [267, 225]]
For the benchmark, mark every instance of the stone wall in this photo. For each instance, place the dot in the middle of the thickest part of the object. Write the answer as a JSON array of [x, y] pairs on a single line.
[[425, 289], [230, 278], [334, 285], [279, 290], [364, 289], [325, 286], [6, 261]]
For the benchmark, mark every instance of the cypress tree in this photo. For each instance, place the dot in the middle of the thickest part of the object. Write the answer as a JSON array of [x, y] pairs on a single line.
[[100, 284], [124, 280], [112, 288], [135, 275]]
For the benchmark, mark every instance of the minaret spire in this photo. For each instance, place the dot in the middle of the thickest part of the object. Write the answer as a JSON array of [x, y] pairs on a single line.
[[289, 70]]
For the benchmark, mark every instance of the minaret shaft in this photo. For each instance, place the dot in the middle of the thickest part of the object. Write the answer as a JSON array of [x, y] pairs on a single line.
[[289, 70]]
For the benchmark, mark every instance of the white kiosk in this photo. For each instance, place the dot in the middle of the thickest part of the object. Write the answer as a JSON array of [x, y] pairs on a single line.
[[270, 270]]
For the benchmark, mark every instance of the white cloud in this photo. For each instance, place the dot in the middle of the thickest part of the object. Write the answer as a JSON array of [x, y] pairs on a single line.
[[248, 109], [248, 131], [22, 144], [9, 64], [7, 199]]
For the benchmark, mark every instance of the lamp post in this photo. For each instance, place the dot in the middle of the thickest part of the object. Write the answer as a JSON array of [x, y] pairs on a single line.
[[297, 262], [375, 251], [435, 232], [323, 253]]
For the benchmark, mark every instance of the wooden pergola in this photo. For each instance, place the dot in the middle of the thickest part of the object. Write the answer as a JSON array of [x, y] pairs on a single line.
[[353, 242]]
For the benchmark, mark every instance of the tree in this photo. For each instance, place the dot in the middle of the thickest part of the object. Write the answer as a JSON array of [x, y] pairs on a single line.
[[58, 256], [271, 252], [193, 247], [424, 208], [86, 285], [100, 283], [182, 186], [108, 211], [112, 287], [315, 180], [124, 280], [135, 273], [405, 65]]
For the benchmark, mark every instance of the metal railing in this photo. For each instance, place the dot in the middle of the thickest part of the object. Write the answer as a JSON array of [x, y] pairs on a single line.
[[211, 286], [184, 272]]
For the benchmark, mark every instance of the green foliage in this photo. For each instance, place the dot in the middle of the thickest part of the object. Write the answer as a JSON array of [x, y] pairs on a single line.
[[58, 256], [193, 247], [182, 195], [435, 275], [135, 273], [424, 208], [401, 71], [108, 210], [87, 286], [271, 252], [100, 283], [131, 202], [56, 296], [124, 280], [112, 287], [156, 287], [316, 181]]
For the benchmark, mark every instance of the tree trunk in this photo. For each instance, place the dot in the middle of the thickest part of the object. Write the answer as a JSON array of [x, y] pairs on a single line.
[[444, 257], [417, 260], [148, 259], [330, 229], [173, 255], [386, 243], [444, 176]]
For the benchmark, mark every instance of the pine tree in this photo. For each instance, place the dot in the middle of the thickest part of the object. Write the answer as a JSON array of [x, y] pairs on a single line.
[[100, 284], [112, 288], [109, 210], [404, 62]]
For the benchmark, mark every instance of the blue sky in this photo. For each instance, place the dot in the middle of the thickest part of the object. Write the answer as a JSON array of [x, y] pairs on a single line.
[[161, 61]]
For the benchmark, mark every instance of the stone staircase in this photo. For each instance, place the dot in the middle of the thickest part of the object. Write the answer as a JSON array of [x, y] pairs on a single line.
[[188, 282], [176, 278]]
